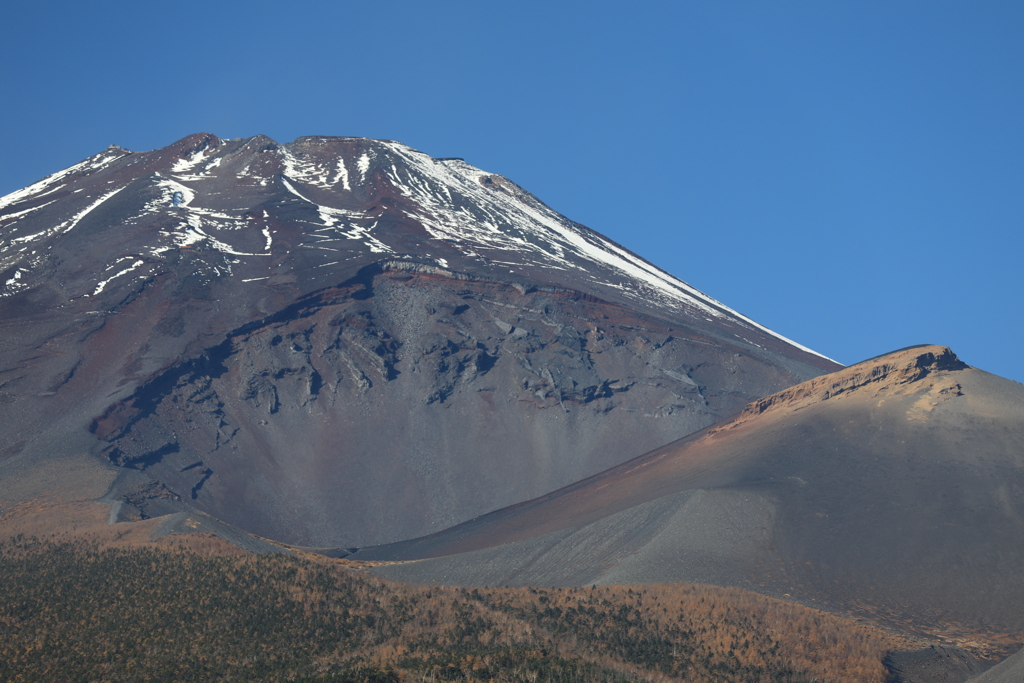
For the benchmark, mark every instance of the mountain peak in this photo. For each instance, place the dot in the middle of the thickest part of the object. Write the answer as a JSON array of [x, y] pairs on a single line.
[[239, 206], [281, 310]]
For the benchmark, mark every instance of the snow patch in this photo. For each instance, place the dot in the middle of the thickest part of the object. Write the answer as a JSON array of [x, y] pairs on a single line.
[[14, 217], [304, 171], [103, 284], [500, 218], [363, 165], [343, 174], [177, 198], [189, 163], [68, 225], [339, 222], [169, 188], [92, 164]]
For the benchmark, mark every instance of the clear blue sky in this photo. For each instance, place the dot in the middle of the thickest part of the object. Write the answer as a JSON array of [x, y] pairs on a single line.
[[849, 174]]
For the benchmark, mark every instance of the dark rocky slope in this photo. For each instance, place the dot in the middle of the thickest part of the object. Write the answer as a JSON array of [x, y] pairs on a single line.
[[341, 341]]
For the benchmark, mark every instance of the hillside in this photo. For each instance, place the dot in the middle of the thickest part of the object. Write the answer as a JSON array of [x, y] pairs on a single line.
[[78, 610], [893, 486]]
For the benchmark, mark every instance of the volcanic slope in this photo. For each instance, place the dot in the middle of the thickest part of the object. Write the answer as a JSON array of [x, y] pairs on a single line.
[[895, 485], [1010, 670], [341, 341]]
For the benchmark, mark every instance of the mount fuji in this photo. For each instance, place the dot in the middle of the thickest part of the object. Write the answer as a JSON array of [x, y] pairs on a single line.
[[341, 341]]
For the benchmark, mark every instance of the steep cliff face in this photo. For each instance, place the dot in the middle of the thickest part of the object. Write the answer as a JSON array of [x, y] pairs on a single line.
[[341, 341]]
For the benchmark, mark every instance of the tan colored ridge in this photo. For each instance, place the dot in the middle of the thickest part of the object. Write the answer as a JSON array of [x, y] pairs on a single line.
[[893, 370]]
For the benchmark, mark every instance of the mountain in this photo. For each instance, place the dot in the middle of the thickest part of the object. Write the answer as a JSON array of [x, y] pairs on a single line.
[[1010, 670], [894, 486], [341, 341]]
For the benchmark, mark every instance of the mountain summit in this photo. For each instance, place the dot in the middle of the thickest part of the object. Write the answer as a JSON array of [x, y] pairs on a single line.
[[355, 199], [342, 341]]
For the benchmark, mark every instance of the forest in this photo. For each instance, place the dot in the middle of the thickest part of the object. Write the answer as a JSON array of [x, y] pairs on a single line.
[[190, 609]]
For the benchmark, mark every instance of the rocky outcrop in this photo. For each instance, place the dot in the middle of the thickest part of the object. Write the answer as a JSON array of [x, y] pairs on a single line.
[[889, 372]]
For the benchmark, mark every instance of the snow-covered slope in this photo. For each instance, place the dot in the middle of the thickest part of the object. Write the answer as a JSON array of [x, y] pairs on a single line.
[[322, 184]]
